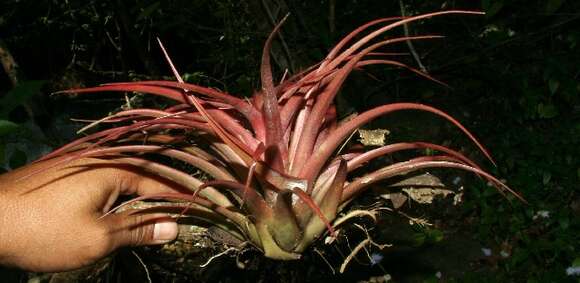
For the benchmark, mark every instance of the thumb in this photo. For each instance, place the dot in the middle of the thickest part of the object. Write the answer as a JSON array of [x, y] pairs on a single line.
[[137, 229]]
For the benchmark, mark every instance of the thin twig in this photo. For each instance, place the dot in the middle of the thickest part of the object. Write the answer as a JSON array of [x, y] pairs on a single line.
[[144, 266], [355, 213], [346, 142], [325, 260], [409, 43], [332, 16], [414, 220], [353, 253], [361, 245], [284, 75], [218, 255], [112, 41]]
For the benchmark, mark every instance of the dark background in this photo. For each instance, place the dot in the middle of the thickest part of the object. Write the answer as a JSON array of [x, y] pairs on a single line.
[[513, 79]]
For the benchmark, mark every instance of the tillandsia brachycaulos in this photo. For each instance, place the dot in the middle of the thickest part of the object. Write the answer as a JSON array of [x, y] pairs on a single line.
[[277, 172]]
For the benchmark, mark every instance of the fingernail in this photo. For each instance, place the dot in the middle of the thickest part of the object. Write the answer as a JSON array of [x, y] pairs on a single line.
[[165, 231]]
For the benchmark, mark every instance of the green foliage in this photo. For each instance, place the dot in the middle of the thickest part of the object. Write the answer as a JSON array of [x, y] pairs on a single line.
[[427, 236], [491, 7], [23, 92], [11, 132], [8, 127]]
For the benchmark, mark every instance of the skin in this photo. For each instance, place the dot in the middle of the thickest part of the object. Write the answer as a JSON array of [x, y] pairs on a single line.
[[51, 219]]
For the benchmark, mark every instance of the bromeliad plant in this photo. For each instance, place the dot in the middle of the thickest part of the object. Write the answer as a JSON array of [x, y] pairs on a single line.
[[276, 174]]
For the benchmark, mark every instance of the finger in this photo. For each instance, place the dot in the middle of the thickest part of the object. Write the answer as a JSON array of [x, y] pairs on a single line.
[[152, 184], [143, 183], [110, 178], [127, 179], [130, 228]]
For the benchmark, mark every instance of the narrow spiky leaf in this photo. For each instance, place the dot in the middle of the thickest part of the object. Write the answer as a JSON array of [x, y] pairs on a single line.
[[315, 163], [274, 133], [329, 202], [359, 185]]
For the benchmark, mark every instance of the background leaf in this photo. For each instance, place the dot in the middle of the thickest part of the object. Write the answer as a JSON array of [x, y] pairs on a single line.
[[547, 110], [19, 95], [553, 5], [492, 7], [553, 85], [8, 127]]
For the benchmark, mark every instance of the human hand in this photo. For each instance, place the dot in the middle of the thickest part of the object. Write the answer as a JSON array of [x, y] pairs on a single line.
[[52, 221]]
